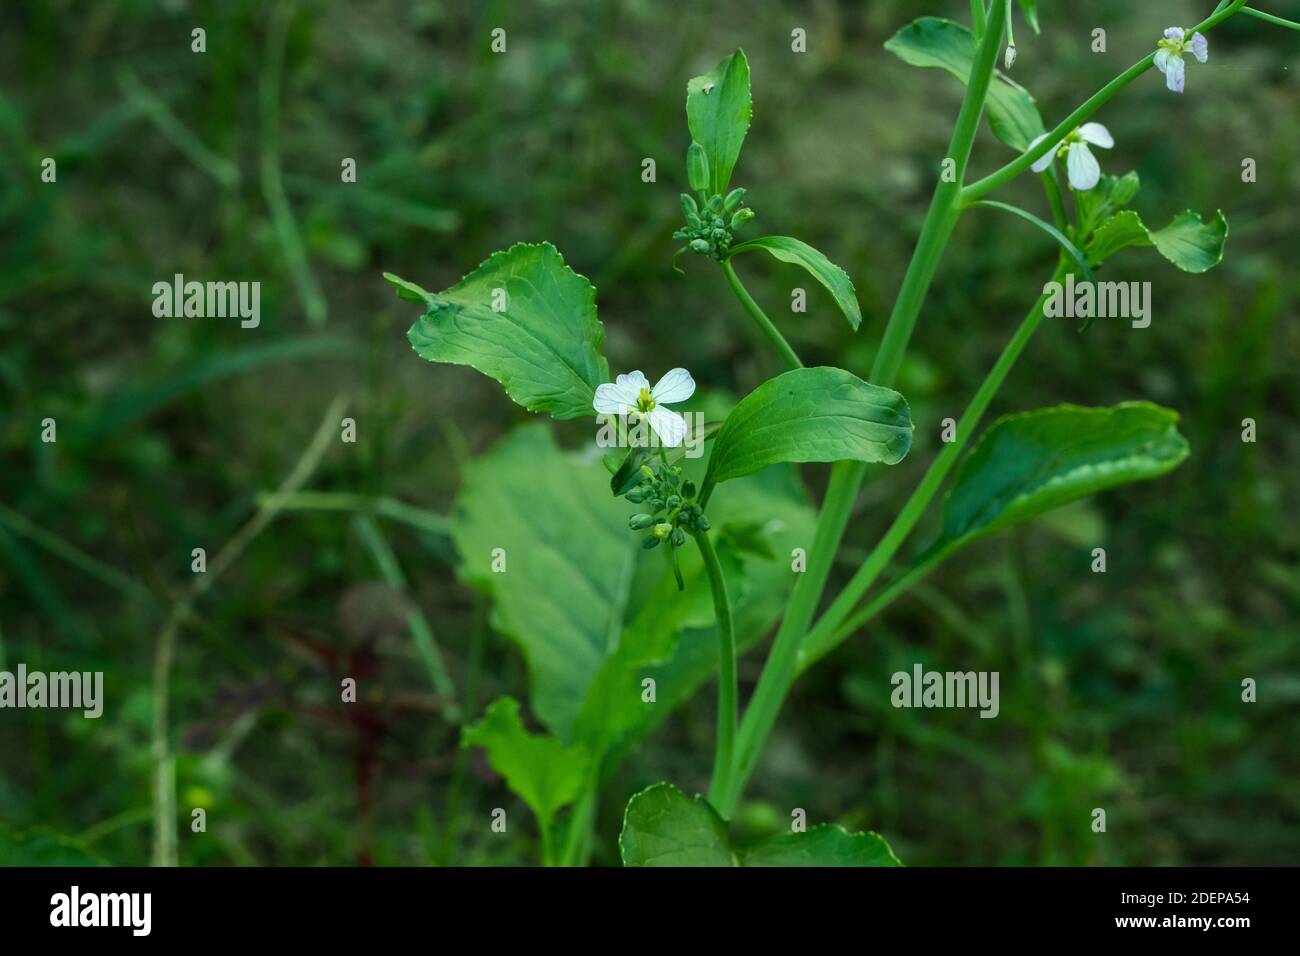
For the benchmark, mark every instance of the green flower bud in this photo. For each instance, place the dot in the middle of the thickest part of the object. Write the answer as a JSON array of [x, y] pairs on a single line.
[[636, 495], [702, 522], [700, 245], [688, 489], [733, 200], [697, 167], [673, 501], [640, 522], [689, 207], [678, 537], [741, 217], [662, 531], [650, 542], [646, 473], [715, 204]]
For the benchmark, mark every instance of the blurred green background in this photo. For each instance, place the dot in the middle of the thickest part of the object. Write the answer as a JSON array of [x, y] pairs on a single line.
[[1119, 691]]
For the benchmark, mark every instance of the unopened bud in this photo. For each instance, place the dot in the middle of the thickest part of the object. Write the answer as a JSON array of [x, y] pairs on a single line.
[[741, 217], [697, 167], [640, 522], [1010, 57], [734, 199]]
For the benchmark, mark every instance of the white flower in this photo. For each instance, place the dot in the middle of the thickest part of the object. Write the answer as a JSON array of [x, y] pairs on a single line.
[[1169, 58], [1081, 166], [631, 394]]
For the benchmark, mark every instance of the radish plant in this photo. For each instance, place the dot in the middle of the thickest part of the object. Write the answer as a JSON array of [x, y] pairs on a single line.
[[628, 588]]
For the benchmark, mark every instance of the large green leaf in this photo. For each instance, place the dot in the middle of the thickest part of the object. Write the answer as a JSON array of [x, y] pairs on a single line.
[[824, 845], [664, 827], [811, 414], [595, 614], [935, 42], [545, 773], [1029, 463], [543, 346], [835, 279], [718, 110]]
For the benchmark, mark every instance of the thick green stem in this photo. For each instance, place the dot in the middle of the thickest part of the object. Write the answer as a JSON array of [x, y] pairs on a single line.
[[977, 19], [827, 633], [846, 477], [727, 708], [1011, 170], [760, 318]]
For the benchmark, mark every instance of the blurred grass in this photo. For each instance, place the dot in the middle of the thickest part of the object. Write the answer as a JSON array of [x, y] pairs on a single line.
[[1120, 691]]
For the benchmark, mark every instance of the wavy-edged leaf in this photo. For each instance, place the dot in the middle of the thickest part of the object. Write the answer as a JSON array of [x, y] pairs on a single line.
[[544, 346], [718, 110], [827, 844], [811, 414], [835, 280], [936, 42], [1031, 462], [1111, 194], [545, 773], [664, 827], [1189, 242]]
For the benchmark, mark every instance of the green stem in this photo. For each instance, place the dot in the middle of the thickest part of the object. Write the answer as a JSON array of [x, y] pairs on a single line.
[[1011, 170], [913, 576], [977, 19], [1268, 17], [726, 742], [827, 634], [846, 477], [760, 318]]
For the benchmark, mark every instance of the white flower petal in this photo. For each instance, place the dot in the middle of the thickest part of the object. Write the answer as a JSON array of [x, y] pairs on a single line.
[[1174, 75], [1175, 33], [668, 425], [1097, 134], [1046, 160], [634, 381], [1162, 60], [1082, 167], [1200, 47], [615, 398], [676, 386]]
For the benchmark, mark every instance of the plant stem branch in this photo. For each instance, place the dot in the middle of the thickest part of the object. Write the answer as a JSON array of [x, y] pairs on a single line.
[[727, 707], [1011, 170], [760, 318], [846, 477], [1268, 17]]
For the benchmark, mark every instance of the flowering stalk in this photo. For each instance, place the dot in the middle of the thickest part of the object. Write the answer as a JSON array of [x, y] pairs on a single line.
[[760, 318], [727, 697], [949, 200]]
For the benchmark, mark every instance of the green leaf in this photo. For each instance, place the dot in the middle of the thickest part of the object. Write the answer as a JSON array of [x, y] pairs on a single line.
[[718, 110], [1030, 9], [1192, 244], [935, 42], [1189, 242], [593, 613], [546, 774], [544, 346], [409, 291], [1111, 194], [1029, 463], [832, 277], [824, 845], [811, 414], [664, 827]]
